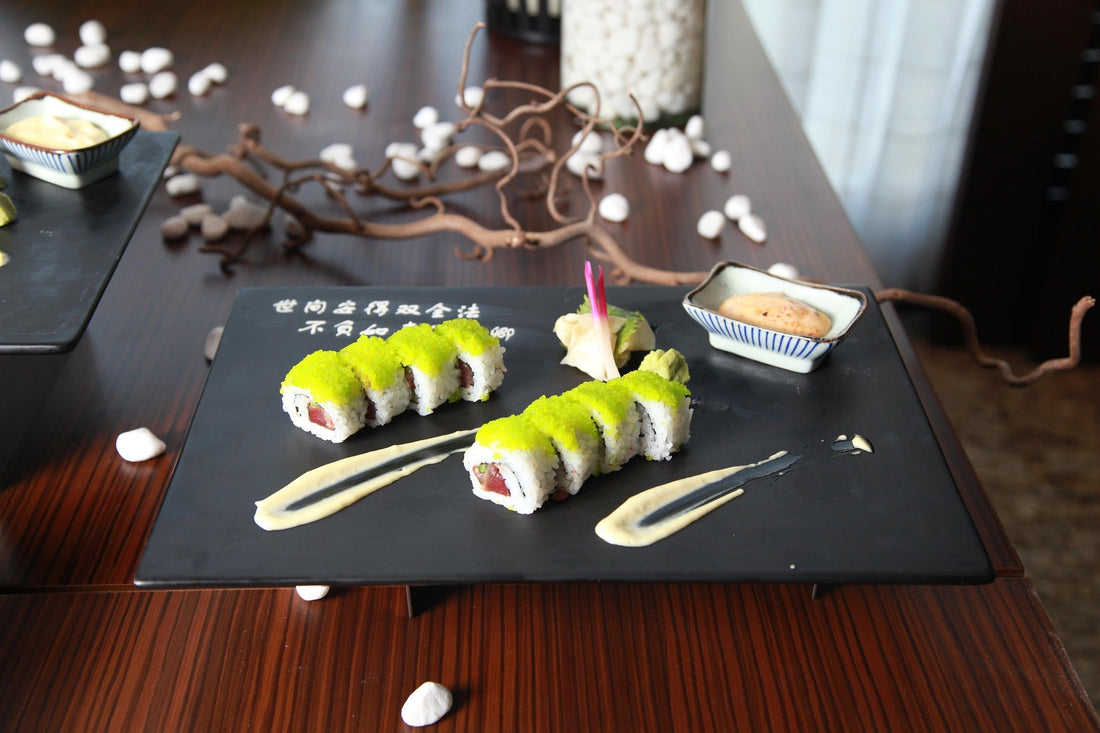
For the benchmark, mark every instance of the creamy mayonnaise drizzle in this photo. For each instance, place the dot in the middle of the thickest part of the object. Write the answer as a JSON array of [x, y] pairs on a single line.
[[327, 489], [656, 513]]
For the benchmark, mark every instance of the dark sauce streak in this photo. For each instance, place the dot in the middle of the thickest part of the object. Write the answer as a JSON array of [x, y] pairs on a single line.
[[710, 492], [449, 446]]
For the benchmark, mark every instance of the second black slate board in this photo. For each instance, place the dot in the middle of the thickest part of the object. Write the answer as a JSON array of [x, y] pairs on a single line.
[[891, 516]]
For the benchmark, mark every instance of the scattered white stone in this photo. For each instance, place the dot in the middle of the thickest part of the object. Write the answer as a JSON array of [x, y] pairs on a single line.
[[494, 160], [62, 68], [216, 73], [340, 155], [614, 207], [212, 342], [402, 157], [437, 135], [678, 155], [195, 213], [183, 184], [198, 84], [700, 148], [590, 142], [578, 163], [356, 96], [134, 93], [695, 128], [737, 206], [44, 64], [720, 161], [752, 226], [20, 93], [173, 228], [710, 224], [77, 81], [244, 213], [293, 226], [10, 72], [213, 228], [655, 150], [426, 705], [92, 32], [467, 156], [470, 97], [297, 104], [156, 59], [170, 171], [282, 94], [312, 592], [139, 445], [39, 35], [129, 62], [425, 117], [163, 85], [782, 269], [92, 56]]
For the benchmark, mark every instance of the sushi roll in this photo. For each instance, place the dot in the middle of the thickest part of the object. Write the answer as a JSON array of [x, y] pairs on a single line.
[[382, 377], [664, 409], [512, 463], [615, 413], [323, 396], [480, 357], [574, 436], [429, 363]]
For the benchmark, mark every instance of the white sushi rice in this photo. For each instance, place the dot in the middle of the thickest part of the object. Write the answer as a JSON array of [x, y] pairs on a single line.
[[347, 419], [620, 441], [488, 373], [430, 392], [663, 428], [528, 475], [388, 403]]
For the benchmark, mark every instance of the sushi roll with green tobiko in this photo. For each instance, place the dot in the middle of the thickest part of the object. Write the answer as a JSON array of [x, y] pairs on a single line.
[[382, 376], [430, 367], [570, 428], [664, 410], [512, 463], [323, 396], [615, 413], [480, 357]]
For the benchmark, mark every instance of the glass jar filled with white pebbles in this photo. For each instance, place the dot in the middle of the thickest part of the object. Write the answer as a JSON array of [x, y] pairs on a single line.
[[653, 49]]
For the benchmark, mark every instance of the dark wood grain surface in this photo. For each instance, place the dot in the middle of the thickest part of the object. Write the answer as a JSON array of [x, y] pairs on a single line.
[[84, 650]]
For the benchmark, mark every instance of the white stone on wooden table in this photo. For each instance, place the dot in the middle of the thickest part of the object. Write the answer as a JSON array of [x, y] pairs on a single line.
[[183, 184], [10, 72], [426, 705], [614, 207], [173, 228], [281, 94], [134, 93], [784, 269], [710, 224], [129, 62], [720, 161], [311, 592], [213, 227], [737, 206], [494, 160], [138, 445], [467, 156], [92, 32], [752, 226], [156, 59], [195, 213], [297, 104], [39, 35], [92, 56], [163, 85], [356, 96]]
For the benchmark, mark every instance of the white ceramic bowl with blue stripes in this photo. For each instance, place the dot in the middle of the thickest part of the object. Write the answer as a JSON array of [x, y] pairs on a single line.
[[68, 168], [796, 353]]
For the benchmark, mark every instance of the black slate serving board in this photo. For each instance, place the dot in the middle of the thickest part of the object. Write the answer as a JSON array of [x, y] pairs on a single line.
[[65, 245], [891, 516]]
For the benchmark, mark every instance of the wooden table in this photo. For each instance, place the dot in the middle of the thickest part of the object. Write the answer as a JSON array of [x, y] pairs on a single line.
[[83, 649]]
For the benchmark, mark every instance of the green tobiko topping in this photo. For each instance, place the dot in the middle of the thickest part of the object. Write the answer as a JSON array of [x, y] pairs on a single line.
[[421, 347], [468, 335], [326, 376], [514, 433], [562, 418], [374, 362]]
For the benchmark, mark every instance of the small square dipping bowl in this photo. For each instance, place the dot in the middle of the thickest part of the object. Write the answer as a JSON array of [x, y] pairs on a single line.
[[800, 354], [68, 168]]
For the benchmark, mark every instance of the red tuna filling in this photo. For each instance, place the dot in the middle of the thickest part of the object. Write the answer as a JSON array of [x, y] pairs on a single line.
[[491, 479], [318, 416], [465, 373]]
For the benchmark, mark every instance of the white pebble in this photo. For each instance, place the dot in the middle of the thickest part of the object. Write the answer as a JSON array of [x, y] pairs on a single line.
[[591, 142], [340, 155], [183, 184], [139, 445], [10, 72], [77, 81], [581, 163], [173, 228], [281, 94], [213, 227], [92, 32], [471, 97], [401, 150], [752, 226], [678, 153], [311, 592], [129, 62], [195, 213], [426, 705], [156, 59], [655, 150], [404, 169], [212, 342], [614, 207], [293, 226], [695, 128], [721, 161], [45, 64], [134, 93], [198, 84], [710, 224], [356, 96], [467, 156], [92, 56], [425, 117], [297, 104], [737, 206], [700, 148], [437, 135], [782, 269], [494, 160], [163, 85], [216, 73], [20, 93], [245, 214], [39, 34], [62, 67]]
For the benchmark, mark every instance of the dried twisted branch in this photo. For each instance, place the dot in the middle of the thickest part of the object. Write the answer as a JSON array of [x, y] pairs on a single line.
[[970, 334]]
